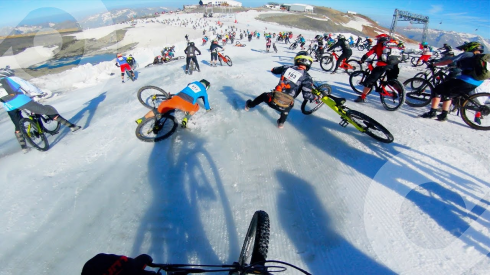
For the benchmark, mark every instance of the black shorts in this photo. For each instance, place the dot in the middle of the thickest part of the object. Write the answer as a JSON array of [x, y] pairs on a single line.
[[214, 56], [452, 88]]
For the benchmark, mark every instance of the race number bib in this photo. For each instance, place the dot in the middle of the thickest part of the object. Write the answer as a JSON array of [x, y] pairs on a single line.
[[292, 75], [3, 92], [194, 88]]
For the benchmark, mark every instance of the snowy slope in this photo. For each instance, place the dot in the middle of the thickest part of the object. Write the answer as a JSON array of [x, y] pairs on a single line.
[[339, 201]]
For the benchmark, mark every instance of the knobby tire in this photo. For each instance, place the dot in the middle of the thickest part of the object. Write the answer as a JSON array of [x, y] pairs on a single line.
[[477, 103], [228, 60], [418, 92], [256, 243], [356, 66], [372, 128], [154, 130], [355, 80], [396, 96], [326, 63], [51, 126], [33, 136], [308, 107], [152, 96]]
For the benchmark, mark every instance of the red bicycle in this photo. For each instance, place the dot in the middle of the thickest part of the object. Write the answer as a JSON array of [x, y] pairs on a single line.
[[350, 66], [391, 91], [224, 58]]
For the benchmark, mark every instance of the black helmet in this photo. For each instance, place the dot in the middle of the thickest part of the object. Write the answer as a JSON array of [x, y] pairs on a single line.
[[205, 83], [302, 58]]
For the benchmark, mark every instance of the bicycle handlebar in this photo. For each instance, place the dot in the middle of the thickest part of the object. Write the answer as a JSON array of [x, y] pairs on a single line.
[[259, 268]]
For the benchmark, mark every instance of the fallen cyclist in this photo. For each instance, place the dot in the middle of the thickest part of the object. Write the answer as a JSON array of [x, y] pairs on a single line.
[[185, 100]]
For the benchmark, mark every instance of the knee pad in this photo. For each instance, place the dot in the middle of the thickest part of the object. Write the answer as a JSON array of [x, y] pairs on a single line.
[[122, 74]]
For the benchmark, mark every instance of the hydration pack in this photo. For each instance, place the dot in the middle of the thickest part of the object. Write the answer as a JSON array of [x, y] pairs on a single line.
[[391, 53], [481, 67]]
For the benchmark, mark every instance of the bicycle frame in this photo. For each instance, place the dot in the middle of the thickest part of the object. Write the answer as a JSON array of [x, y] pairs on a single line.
[[222, 57], [339, 109]]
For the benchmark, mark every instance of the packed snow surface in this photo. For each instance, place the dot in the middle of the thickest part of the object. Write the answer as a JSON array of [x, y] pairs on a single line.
[[339, 201]]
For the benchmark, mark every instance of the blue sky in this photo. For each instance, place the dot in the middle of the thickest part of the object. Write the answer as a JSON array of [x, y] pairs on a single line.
[[462, 16]]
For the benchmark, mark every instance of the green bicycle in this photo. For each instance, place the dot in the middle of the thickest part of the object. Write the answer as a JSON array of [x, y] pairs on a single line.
[[34, 127], [360, 121]]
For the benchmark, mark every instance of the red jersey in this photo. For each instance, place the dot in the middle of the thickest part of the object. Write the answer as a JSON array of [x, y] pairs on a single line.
[[378, 49]]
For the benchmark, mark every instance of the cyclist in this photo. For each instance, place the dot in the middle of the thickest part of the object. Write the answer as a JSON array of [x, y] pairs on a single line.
[[462, 84], [185, 100], [293, 80], [121, 62], [302, 41], [321, 46], [359, 39], [14, 99], [190, 51], [131, 61], [426, 54], [103, 264], [346, 51], [381, 67], [268, 43], [447, 49], [214, 52]]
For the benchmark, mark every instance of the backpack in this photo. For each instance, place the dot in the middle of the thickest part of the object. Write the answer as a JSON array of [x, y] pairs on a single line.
[[481, 67], [391, 53]]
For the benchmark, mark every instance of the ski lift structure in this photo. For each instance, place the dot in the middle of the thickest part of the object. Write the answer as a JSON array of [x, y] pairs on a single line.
[[412, 18]]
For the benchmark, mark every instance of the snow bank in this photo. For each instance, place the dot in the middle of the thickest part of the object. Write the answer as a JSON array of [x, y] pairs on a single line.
[[28, 57]]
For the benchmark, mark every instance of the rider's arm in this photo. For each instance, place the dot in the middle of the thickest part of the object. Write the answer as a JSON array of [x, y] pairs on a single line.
[[197, 50], [206, 102], [279, 70]]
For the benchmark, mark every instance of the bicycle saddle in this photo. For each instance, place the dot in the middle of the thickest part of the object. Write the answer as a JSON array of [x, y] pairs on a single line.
[[338, 100]]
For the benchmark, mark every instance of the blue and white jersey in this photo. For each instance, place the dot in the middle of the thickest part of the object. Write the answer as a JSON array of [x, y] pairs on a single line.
[[11, 94], [121, 60], [196, 90]]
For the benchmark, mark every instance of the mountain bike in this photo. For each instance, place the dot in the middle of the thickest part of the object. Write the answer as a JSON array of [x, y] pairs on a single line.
[[363, 46], [391, 91], [415, 59], [327, 63], [360, 121], [34, 127], [294, 45], [474, 109], [435, 75], [159, 127], [239, 44], [252, 259], [165, 62], [224, 58]]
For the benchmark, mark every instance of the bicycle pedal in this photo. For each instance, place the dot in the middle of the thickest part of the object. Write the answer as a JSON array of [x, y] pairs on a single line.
[[344, 122]]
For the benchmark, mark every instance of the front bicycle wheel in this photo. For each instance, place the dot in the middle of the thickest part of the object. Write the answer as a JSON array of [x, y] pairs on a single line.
[[421, 75], [475, 111], [360, 48], [256, 243], [228, 60], [152, 96], [418, 92], [308, 107], [153, 130], [371, 127], [353, 65], [51, 126], [414, 61], [393, 95], [33, 134], [326, 63], [356, 81]]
